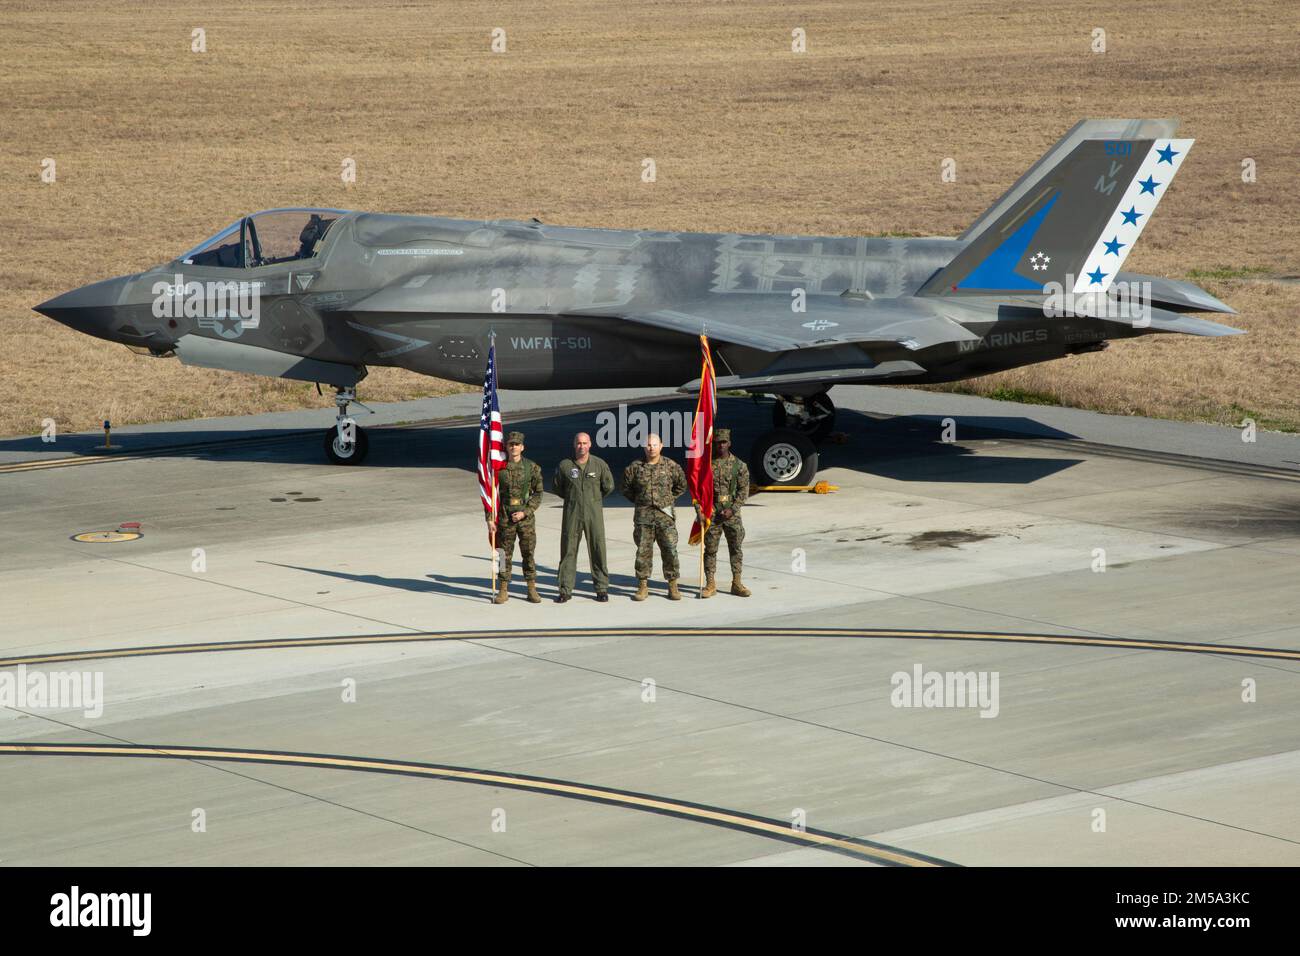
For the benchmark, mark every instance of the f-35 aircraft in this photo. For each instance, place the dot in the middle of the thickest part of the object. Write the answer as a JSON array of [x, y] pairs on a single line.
[[320, 294]]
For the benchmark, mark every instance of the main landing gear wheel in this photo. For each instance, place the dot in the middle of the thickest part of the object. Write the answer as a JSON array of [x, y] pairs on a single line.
[[813, 415], [783, 457], [346, 443]]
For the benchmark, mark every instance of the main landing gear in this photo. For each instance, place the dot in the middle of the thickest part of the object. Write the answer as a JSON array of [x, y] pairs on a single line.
[[787, 455], [346, 443]]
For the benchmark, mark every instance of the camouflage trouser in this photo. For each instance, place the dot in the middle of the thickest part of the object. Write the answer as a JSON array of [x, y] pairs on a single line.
[[650, 527], [734, 529], [526, 532]]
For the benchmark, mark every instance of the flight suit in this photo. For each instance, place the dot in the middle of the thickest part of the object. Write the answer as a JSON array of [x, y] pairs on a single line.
[[653, 489], [730, 489], [583, 488], [519, 488]]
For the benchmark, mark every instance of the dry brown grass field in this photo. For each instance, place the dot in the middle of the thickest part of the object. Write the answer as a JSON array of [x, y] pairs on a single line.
[[157, 147]]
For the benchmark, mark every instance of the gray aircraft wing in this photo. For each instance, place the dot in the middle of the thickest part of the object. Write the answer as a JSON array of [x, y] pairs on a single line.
[[779, 376], [770, 324]]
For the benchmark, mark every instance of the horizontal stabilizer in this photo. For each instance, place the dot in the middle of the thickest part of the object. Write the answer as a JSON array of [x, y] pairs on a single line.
[[1162, 320], [1175, 294]]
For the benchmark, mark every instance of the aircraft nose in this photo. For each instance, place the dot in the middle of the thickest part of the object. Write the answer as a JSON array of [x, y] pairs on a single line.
[[89, 309]]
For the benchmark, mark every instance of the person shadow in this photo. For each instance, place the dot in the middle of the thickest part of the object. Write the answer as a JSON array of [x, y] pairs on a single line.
[[479, 586], [548, 582]]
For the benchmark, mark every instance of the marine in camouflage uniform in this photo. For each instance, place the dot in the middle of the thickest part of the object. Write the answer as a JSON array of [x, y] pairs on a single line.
[[652, 485], [519, 494], [730, 489]]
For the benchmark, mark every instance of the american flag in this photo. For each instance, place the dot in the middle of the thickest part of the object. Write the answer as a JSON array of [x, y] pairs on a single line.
[[491, 446]]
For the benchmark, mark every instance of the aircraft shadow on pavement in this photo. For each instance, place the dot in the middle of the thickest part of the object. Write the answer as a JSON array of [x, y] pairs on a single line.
[[911, 448], [903, 448]]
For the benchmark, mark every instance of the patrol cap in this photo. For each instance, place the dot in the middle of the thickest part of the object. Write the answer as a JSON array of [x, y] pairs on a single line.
[[515, 438], [722, 434]]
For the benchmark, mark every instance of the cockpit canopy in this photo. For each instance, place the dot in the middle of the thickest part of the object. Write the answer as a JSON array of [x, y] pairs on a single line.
[[266, 238]]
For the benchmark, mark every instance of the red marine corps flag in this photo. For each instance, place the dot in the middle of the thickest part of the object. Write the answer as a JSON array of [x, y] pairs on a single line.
[[699, 455], [491, 449]]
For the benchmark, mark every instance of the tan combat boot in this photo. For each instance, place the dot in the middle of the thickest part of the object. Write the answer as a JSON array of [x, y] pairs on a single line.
[[502, 594], [673, 593], [642, 589], [737, 588], [533, 596], [710, 587]]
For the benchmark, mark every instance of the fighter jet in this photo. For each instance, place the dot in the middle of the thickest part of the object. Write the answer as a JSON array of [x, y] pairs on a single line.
[[319, 295]]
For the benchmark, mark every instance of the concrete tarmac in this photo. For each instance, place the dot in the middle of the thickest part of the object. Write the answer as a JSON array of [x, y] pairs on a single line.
[[381, 711]]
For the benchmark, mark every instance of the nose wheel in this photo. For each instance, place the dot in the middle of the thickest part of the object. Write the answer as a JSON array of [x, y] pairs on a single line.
[[346, 443]]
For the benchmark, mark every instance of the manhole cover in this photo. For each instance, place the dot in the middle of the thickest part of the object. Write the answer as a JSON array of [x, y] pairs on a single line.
[[106, 537]]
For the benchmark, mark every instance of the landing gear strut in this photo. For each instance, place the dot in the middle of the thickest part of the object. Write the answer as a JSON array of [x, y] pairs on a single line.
[[346, 443], [814, 415], [787, 455]]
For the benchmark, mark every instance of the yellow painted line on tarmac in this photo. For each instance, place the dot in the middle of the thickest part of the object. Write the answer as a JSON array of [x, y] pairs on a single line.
[[700, 813], [346, 640], [40, 465]]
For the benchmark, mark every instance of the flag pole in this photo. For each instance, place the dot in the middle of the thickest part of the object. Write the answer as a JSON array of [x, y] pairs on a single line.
[[704, 437], [492, 521], [492, 543], [701, 591]]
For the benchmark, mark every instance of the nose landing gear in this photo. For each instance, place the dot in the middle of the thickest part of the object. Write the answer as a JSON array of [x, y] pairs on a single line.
[[346, 443]]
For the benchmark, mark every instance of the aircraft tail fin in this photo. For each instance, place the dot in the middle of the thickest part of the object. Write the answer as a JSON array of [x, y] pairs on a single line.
[[1073, 218]]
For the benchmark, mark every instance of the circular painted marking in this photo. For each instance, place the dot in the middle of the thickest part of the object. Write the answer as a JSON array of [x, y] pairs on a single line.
[[106, 537]]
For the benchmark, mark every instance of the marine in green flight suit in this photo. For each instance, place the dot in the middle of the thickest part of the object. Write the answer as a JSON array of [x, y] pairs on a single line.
[[730, 489], [583, 481], [519, 495], [652, 485]]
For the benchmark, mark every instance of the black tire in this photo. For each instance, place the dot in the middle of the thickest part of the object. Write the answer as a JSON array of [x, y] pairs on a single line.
[[340, 454], [783, 457], [820, 404]]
